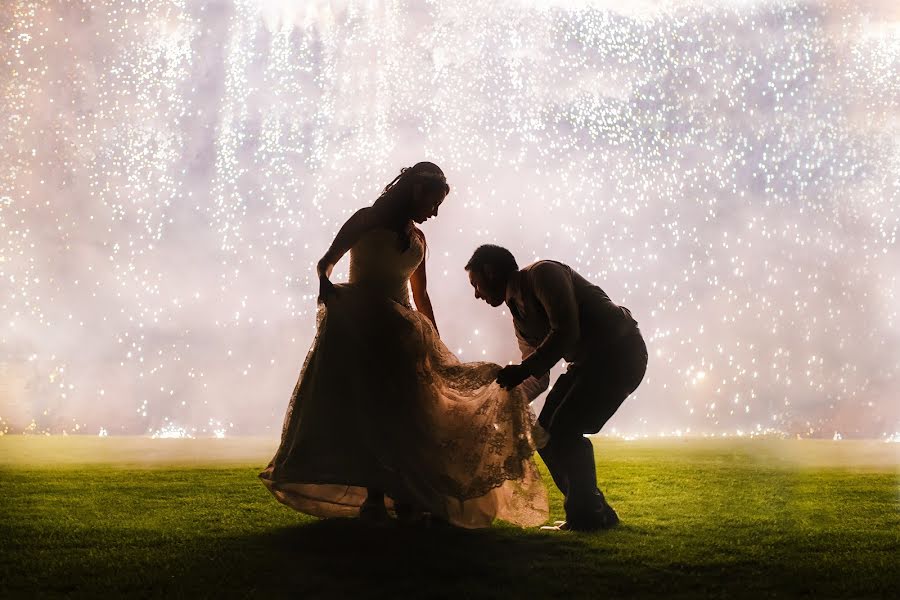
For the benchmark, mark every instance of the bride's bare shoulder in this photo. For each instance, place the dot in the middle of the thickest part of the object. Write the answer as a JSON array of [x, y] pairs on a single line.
[[363, 220], [369, 217], [362, 215]]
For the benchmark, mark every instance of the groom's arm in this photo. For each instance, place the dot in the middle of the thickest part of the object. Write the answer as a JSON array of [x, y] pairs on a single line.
[[533, 386], [555, 291]]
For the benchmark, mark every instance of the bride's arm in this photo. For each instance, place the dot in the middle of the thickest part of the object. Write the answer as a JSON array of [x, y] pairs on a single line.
[[349, 234], [419, 283]]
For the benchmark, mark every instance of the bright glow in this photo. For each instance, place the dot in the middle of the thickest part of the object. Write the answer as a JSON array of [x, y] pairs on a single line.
[[172, 170]]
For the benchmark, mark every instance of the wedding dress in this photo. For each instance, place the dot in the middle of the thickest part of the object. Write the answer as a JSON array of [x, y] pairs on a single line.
[[382, 403]]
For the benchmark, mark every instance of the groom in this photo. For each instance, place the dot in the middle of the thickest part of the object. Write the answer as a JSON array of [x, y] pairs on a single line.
[[558, 314]]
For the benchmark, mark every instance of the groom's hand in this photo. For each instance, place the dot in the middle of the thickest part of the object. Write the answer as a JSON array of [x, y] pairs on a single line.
[[511, 375]]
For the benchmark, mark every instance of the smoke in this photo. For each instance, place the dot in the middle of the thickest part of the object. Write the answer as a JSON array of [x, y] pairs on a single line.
[[728, 171]]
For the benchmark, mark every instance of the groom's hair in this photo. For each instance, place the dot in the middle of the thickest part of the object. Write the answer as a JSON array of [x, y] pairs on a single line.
[[497, 256]]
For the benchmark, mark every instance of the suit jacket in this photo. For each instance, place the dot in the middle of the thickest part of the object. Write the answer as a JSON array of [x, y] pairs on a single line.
[[558, 314]]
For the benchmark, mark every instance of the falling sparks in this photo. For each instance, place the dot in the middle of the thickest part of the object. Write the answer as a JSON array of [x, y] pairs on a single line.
[[171, 432], [730, 171]]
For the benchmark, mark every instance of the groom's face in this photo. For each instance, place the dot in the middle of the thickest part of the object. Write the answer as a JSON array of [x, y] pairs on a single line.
[[487, 288]]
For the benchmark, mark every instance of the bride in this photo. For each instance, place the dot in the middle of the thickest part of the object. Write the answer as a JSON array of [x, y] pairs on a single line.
[[384, 415]]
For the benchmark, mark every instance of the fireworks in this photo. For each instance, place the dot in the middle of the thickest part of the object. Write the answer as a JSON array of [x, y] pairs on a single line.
[[173, 170]]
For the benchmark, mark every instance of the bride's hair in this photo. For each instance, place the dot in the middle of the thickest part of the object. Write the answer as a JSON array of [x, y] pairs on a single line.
[[428, 175]]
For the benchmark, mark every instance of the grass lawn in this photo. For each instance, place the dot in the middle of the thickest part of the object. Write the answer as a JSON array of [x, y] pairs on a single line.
[[84, 516]]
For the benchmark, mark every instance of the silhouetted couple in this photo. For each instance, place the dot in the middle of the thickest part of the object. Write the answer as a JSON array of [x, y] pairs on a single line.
[[385, 419]]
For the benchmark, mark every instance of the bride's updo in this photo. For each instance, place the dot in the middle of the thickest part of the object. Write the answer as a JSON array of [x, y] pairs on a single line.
[[428, 174], [399, 192]]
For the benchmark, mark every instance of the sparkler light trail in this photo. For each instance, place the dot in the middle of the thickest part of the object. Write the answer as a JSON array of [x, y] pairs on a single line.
[[730, 171]]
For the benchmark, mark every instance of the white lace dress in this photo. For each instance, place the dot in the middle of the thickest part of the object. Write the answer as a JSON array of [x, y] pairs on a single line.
[[382, 403]]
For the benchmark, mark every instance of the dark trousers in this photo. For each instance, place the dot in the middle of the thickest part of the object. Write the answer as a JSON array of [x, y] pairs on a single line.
[[582, 400]]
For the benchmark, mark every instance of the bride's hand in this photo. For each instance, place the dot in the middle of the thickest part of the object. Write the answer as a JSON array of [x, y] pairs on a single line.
[[326, 290]]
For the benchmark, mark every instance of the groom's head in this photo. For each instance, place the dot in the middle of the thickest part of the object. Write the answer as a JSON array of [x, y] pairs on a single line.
[[489, 271]]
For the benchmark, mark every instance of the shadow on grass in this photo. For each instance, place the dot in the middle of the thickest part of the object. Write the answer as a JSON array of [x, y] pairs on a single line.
[[319, 559], [344, 557]]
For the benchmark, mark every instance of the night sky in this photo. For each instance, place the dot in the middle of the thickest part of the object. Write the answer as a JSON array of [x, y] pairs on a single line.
[[173, 169]]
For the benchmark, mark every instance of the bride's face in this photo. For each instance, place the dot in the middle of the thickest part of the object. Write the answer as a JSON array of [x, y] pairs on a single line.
[[426, 204]]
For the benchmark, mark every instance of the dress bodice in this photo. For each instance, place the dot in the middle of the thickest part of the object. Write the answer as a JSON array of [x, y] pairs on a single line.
[[377, 260]]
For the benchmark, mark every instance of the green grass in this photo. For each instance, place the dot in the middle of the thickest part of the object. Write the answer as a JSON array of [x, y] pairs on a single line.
[[112, 517]]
